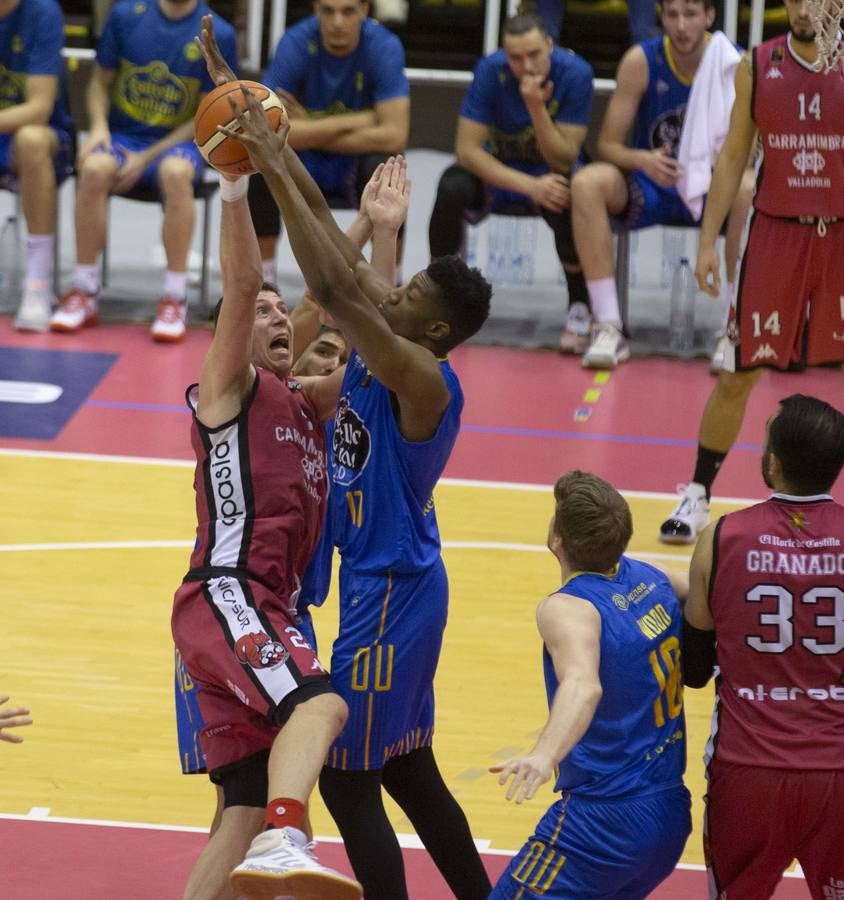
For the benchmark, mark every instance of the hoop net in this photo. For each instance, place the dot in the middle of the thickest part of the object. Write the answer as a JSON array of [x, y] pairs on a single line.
[[826, 18]]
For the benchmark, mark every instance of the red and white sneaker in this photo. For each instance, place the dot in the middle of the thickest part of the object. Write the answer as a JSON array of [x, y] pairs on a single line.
[[77, 310], [169, 324]]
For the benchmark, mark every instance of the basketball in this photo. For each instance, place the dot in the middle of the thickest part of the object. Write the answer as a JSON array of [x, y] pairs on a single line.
[[219, 150]]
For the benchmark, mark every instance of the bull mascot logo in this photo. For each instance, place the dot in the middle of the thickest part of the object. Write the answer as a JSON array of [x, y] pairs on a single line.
[[258, 650]]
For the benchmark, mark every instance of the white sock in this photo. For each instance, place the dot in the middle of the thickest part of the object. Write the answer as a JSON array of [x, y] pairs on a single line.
[[87, 278], [603, 297], [175, 285], [269, 270], [39, 257]]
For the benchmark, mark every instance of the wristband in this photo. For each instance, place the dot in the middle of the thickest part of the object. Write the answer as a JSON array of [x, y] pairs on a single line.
[[233, 190]]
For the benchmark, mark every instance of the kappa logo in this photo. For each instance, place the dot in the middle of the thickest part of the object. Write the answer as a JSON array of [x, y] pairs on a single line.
[[764, 352], [773, 72], [258, 650]]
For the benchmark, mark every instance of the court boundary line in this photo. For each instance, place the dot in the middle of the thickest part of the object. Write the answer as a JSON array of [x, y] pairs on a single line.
[[406, 841], [452, 482]]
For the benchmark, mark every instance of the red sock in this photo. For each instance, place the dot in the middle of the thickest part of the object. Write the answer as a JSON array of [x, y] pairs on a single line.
[[283, 812]]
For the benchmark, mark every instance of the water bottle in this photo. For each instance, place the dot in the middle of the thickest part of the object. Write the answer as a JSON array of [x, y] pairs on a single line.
[[10, 261], [681, 322]]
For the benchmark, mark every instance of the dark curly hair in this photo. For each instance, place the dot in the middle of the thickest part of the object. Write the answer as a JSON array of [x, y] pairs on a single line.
[[464, 294]]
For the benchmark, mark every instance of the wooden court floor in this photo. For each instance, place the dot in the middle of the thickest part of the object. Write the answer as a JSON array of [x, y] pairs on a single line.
[[98, 523]]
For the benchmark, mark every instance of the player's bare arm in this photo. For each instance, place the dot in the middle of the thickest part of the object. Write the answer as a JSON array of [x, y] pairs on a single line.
[[41, 93], [98, 103], [631, 84], [409, 370], [388, 134], [726, 179], [571, 630], [549, 191], [559, 142], [227, 371]]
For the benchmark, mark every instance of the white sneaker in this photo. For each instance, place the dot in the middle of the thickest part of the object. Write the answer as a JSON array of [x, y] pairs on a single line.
[[36, 308], [279, 864], [689, 517], [719, 354], [608, 348], [76, 311], [169, 324], [575, 338]]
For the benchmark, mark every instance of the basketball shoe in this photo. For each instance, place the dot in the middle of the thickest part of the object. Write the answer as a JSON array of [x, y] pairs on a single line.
[[77, 310], [609, 347], [689, 517], [169, 324], [35, 309], [575, 337], [279, 863]]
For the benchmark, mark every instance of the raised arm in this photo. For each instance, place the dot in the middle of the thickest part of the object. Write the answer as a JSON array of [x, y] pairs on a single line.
[[571, 630], [411, 371], [227, 372]]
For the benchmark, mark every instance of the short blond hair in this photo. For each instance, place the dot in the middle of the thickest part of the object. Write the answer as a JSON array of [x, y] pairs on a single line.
[[592, 521]]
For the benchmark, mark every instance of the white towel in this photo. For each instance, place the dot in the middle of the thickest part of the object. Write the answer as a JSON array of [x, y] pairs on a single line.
[[707, 120]]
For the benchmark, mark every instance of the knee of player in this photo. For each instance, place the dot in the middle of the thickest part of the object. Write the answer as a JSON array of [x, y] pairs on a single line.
[[737, 385], [32, 143], [315, 699]]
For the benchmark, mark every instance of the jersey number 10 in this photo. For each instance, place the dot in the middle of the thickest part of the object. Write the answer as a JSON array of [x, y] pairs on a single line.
[[670, 697]]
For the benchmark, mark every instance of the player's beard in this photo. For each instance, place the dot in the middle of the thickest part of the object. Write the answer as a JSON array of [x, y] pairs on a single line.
[[803, 37]]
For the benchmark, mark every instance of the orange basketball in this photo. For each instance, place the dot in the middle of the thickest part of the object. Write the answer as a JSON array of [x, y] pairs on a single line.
[[219, 150]]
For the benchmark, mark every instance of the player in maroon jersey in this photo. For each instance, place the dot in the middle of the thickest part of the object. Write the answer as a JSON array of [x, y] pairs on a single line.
[[766, 605], [788, 309]]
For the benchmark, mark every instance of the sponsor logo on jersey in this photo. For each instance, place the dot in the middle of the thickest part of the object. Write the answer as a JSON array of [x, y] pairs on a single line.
[[764, 351], [351, 446], [621, 602], [666, 130], [806, 161], [258, 650], [798, 520], [635, 596], [774, 72], [811, 543], [790, 693], [777, 54]]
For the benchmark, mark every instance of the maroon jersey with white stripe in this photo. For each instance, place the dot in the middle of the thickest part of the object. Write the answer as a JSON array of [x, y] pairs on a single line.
[[777, 598], [260, 486], [800, 116]]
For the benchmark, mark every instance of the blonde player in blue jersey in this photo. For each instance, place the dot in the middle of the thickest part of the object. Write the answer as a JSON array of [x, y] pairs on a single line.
[[615, 729]]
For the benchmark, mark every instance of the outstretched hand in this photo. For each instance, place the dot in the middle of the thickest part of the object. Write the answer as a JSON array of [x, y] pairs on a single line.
[[529, 774], [218, 68], [387, 195], [264, 145], [12, 717]]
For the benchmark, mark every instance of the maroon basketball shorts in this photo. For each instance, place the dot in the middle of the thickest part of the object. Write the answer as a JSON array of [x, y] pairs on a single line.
[[758, 820], [242, 648], [791, 282]]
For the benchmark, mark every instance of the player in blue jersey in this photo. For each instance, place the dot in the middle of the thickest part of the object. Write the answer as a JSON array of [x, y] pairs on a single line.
[[397, 421], [636, 184], [341, 78], [147, 83], [519, 137], [36, 138], [615, 728]]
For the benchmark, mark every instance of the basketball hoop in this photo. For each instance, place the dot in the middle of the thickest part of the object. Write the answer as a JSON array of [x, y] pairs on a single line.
[[826, 18]]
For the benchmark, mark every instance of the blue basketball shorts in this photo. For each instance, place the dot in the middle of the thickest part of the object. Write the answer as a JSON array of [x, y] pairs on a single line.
[[384, 661], [62, 159], [600, 849], [650, 204], [121, 145]]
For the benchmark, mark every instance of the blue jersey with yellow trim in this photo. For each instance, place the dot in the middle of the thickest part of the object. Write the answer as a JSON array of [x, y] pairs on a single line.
[[636, 741], [160, 72], [328, 85], [381, 504], [31, 39], [662, 108]]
